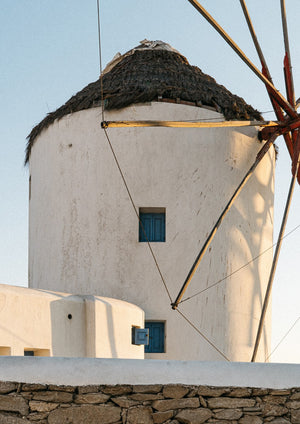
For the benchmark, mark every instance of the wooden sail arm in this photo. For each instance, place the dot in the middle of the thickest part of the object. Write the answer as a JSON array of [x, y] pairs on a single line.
[[287, 58], [288, 79], [276, 256], [284, 104], [260, 54], [279, 113], [209, 239], [187, 124], [296, 157], [289, 139]]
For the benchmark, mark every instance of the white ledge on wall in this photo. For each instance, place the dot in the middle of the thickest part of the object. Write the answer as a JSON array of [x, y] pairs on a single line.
[[84, 371]]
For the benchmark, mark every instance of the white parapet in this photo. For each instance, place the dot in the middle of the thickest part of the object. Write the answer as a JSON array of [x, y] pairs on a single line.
[[48, 323], [84, 371]]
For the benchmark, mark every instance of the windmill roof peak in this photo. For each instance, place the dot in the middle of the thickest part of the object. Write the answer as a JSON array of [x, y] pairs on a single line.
[[152, 71], [144, 45]]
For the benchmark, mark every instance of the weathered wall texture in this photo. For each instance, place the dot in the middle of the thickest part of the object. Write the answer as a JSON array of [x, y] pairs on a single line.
[[83, 234], [62, 324], [22, 403]]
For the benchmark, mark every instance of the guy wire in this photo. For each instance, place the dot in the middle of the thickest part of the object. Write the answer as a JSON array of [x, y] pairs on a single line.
[[202, 335], [136, 212], [116, 159], [282, 339], [100, 59], [239, 269]]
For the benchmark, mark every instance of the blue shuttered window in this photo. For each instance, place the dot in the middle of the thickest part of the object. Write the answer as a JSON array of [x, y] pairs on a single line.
[[154, 225], [156, 337]]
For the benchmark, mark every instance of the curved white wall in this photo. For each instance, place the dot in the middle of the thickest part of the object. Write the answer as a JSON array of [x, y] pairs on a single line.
[[61, 324], [84, 232]]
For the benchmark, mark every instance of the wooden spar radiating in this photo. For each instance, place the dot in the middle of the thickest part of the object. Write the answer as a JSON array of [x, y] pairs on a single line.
[[287, 62], [266, 72], [276, 256], [254, 38], [188, 124], [285, 29], [290, 90], [198, 259], [275, 93]]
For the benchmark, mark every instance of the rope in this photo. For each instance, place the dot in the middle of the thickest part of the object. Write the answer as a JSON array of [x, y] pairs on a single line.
[[202, 335], [286, 334], [239, 269]]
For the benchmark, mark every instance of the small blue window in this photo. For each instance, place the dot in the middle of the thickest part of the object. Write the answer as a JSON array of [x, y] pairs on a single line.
[[156, 337], [152, 226]]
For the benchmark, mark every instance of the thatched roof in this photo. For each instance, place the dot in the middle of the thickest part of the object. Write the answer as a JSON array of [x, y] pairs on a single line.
[[151, 74]]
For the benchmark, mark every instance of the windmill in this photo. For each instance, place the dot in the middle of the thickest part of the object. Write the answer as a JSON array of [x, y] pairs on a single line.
[[287, 125]]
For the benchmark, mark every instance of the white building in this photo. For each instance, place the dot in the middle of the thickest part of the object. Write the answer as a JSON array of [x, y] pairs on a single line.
[[44, 323], [84, 235]]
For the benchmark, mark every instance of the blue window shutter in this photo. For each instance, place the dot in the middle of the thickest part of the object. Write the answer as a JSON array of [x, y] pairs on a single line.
[[154, 226], [159, 226], [146, 220], [156, 337]]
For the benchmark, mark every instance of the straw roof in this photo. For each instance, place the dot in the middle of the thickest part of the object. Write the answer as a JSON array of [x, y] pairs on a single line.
[[151, 72]]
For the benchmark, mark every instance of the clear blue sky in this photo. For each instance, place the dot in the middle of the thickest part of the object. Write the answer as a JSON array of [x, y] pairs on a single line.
[[49, 51]]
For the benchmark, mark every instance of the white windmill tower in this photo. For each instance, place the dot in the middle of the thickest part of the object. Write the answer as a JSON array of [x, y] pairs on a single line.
[[86, 238]]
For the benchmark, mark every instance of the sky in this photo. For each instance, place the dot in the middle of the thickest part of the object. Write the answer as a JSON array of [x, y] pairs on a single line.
[[49, 51]]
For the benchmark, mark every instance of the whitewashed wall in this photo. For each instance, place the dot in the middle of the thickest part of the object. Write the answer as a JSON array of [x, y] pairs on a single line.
[[83, 235], [84, 371], [61, 324]]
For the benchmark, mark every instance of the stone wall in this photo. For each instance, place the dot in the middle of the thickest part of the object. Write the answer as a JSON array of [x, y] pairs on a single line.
[[22, 403]]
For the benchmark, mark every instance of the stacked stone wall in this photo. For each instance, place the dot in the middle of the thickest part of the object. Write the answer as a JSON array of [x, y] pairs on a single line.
[[22, 403]]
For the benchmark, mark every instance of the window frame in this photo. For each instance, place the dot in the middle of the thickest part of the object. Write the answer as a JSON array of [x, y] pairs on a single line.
[[154, 234], [162, 341]]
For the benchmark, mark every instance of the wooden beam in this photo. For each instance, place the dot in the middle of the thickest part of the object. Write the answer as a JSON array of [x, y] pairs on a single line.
[[275, 258], [209, 239], [187, 124], [287, 61], [289, 109]]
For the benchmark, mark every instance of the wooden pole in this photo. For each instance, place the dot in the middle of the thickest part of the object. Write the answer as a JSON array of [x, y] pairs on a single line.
[[187, 124], [275, 260], [254, 38], [276, 107], [287, 49], [198, 259], [275, 93]]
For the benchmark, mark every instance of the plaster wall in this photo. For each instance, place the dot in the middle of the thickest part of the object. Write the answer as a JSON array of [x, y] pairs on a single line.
[[83, 234], [61, 324], [85, 371]]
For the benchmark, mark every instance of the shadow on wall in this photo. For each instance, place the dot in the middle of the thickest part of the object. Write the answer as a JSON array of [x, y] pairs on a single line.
[[246, 233], [258, 206], [106, 331], [68, 329], [83, 326]]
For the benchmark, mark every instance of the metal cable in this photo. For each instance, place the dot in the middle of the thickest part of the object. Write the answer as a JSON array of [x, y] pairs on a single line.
[[202, 335], [286, 334], [100, 59], [137, 214], [239, 269], [117, 162], [218, 223]]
